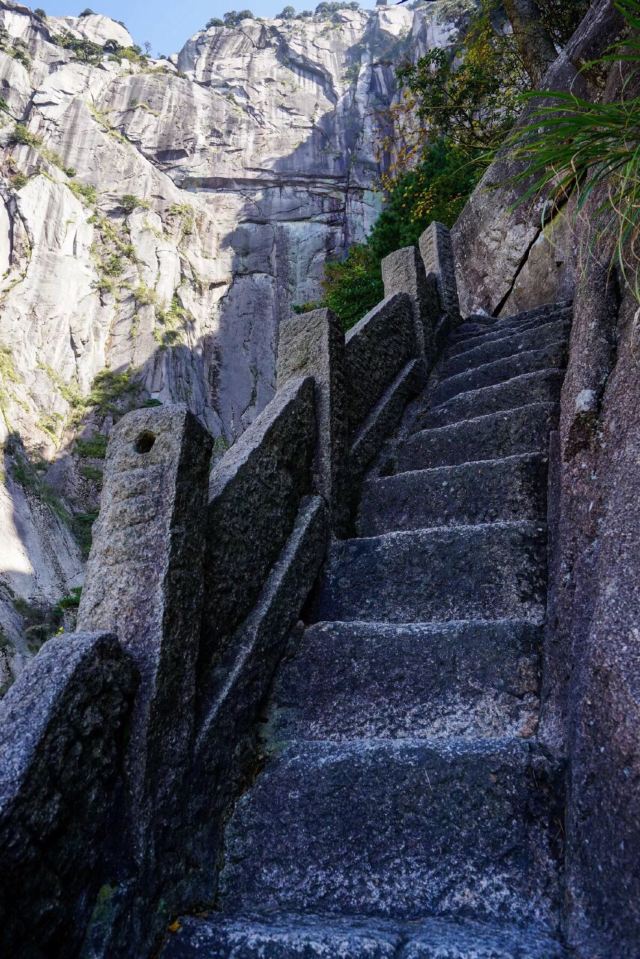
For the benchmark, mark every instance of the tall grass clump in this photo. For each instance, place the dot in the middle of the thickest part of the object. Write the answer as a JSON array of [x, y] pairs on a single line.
[[573, 146]]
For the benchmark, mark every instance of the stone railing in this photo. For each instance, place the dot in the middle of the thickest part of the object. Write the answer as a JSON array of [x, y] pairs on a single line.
[[124, 745]]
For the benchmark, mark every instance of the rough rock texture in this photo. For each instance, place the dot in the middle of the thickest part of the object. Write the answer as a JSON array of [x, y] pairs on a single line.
[[312, 344], [254, 499], [145, 583], [61, 735], [245, 161], [376, 349], [592, 688]]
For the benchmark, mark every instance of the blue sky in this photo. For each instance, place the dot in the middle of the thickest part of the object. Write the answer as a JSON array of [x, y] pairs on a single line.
[[165, 23]]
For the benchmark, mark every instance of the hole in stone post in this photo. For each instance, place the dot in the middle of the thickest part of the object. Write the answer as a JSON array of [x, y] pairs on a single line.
[[144, 442]]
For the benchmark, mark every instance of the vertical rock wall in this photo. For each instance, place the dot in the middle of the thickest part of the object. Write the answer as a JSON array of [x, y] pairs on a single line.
[[158, 217]]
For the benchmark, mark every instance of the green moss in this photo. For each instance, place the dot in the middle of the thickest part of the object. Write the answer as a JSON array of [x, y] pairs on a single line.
[[8, 373], [50, 424], [26, 474], [113, 265], [21, 55]]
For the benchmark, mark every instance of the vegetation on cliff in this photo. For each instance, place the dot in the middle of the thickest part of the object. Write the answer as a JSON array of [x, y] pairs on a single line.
[[574, 146], [457, 107]]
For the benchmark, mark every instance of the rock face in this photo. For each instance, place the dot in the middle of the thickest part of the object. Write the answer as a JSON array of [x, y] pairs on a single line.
[[158, 217]]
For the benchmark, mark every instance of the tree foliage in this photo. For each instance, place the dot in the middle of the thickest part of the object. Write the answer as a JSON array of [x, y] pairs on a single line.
[[468, 95], [458, 106]]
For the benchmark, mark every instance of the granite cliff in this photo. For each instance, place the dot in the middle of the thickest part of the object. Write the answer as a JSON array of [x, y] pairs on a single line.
[[158, 217]]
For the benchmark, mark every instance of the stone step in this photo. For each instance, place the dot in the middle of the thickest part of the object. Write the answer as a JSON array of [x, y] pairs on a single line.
[[550, 356], [402, 830], [495, 571], [512, 488], [380, 681], [504, 346], [543, 386], [477, 324], [523, 430], [292, 936], [494, 334]]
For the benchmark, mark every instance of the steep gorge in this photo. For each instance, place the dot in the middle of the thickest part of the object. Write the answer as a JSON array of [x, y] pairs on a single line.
[[158, 218]]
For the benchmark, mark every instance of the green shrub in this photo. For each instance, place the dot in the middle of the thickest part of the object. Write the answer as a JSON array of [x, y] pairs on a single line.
[[85, 192], [469, 95], [24, 136], [130, 202], [436, 189], [82, 525], [71, 601], [84, 50], [92, 473], [93, 448]]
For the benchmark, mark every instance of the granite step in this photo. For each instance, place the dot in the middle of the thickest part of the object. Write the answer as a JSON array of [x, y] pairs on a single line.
[[379, 681], [509, 433], [494, 334], [398, 829], [477, 324], [492, 571], [551, 356], [291, 936], [543, 386], [504, 346], [511, 488]]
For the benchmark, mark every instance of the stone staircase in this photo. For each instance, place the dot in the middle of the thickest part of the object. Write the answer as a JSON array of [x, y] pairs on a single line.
[[405, 809]]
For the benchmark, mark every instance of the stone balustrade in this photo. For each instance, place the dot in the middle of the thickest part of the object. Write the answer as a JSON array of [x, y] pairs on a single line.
[[112, 802]]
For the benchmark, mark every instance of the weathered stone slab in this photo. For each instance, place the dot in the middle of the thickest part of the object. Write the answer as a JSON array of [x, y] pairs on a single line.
[[61, 751], [226, 748], [383, 419], [496, 435], [254, 495], [376, 349], [286, 937], [499, 371], [510, 488], [312, 344], [542, 386], [434, 575], [349, 681], [396, 829], [403, 272], [144, 581], [436, 249]]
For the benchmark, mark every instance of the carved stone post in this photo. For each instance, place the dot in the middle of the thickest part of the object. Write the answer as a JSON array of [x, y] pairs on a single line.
[[437, 254], [144, 582], [313, 344], [403, 272]]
